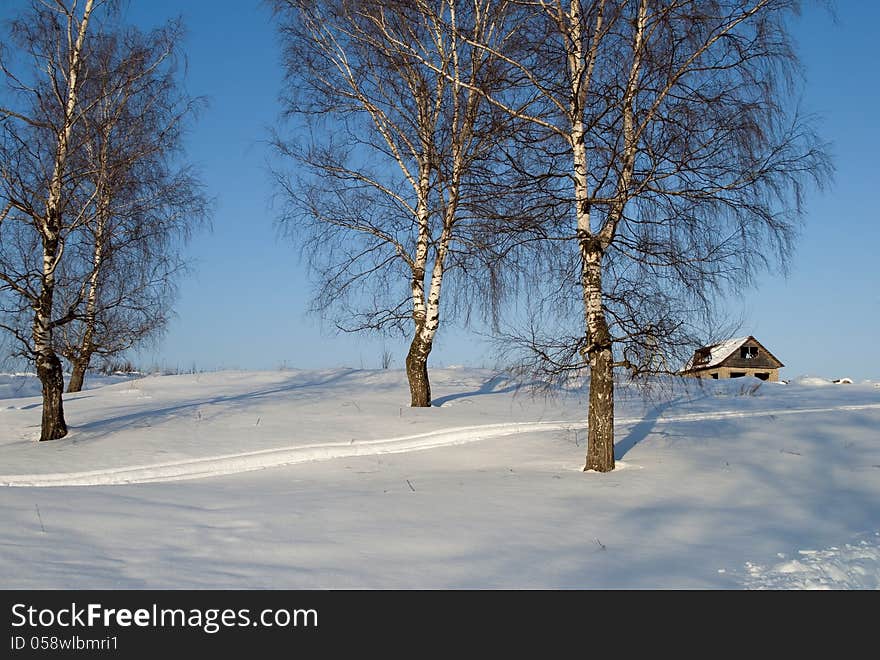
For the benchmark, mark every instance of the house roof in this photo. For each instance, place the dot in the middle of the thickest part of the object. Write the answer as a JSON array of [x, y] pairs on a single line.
[[719, 352]]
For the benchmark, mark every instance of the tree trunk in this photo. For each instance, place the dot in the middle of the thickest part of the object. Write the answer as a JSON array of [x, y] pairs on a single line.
[[78, 375], [83, 355], [600, 435], [49, 370], [600, 419], [417, 372], [52, 378], [600, 416], [426, 317], [48, 365]]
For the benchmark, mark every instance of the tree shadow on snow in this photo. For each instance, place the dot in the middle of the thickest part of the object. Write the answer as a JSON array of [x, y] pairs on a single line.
[[489, 387], [642, 429], [103, 427]]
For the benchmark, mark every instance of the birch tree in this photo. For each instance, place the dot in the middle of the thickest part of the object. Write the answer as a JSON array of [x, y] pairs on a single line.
[[661, 142], [400, 136], [38, 124]]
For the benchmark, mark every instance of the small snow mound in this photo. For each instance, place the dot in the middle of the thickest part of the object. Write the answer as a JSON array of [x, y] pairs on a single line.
[[852, 566], [811, 381]]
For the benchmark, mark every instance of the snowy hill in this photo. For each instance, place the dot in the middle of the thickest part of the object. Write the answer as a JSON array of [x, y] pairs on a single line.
[[320, 479]]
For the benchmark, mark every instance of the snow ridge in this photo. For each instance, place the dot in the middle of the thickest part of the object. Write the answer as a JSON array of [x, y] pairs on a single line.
[[258, 460]]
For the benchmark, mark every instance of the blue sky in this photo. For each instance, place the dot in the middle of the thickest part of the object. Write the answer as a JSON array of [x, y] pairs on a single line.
[[245, 306]]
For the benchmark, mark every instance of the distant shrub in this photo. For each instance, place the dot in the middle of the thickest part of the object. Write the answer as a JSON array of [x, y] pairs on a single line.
[[117, 366]]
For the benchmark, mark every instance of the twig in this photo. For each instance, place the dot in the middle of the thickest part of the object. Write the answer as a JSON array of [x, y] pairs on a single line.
[[40, 518], [410, 485], [601, 545]]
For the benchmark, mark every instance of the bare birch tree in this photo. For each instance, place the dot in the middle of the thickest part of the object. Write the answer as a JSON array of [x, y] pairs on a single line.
[[659, 140], [88, 189], [398, 143], [38, 126]]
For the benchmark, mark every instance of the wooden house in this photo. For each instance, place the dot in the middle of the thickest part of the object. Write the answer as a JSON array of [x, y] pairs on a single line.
[[734, 358]]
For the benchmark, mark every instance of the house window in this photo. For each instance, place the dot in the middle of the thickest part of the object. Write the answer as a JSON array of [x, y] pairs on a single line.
[[762, 376], [737, 374], [748, 352], [715, 375]]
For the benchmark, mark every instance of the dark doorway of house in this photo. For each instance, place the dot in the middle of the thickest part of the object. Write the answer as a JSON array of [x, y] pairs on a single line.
[[762, 376]]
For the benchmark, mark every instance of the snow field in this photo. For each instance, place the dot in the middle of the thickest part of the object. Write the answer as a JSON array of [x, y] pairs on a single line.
[[312, 480]]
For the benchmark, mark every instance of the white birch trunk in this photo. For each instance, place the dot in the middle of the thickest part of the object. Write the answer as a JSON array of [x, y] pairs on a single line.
[[48, 365], [600, 415], [417, 358], [86, 347], [593, 244]]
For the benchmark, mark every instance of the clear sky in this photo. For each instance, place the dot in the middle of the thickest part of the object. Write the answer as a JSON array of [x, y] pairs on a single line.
[[245, 306]]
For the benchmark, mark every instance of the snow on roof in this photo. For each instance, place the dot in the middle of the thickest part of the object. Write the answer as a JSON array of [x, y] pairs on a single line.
[[718, 353]]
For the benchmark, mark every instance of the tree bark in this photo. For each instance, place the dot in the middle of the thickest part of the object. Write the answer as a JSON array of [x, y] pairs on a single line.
[[48, 365], [419, 349], [417, 372], [600, 419], [84, 353], [78, 375], [52, 378], [426, 317], [426, 312]]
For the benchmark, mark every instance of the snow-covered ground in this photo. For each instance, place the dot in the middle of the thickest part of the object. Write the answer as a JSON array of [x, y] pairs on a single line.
[[852, 566], [327, 479]]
